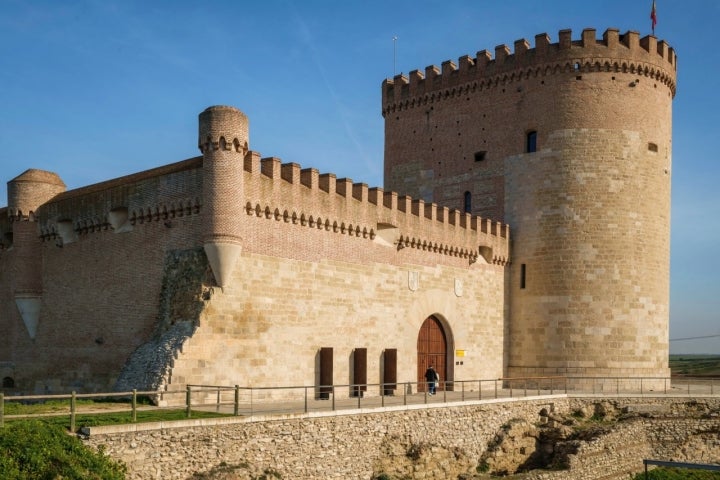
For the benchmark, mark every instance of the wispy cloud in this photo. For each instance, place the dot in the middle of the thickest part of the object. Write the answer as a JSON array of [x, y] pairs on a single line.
[[343, 112]]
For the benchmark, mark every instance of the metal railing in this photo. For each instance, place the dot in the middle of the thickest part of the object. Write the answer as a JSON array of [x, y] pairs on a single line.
[[304, 399], [257, 401]]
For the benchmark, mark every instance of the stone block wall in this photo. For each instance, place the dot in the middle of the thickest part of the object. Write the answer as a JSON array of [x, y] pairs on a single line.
[[267, 327], [595, 293], [429, 443], [349, 446]]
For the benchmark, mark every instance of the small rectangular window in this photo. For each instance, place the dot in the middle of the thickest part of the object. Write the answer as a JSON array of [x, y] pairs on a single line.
[[531, 142], [522, 275], [480, 156], [653, 147]]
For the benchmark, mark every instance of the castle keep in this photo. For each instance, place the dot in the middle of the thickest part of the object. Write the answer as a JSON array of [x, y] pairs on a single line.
[[523, 229]]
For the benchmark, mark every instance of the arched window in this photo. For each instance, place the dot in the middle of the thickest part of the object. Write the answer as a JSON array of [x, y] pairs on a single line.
[[467, 202], [8, 382], [531, 141]]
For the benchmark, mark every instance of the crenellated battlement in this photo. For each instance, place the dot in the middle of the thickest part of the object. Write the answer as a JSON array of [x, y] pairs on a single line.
[[286, 192], [84, 223], [223, 128], [277, 191], [120, 203], [5, 230], [614, 52]]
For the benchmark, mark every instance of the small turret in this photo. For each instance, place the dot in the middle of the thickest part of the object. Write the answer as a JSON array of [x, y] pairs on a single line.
[[223, 141], [26, 193], [29, 190]]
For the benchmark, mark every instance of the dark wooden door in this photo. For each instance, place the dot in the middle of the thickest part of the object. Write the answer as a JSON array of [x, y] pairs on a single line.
[[432, 350]]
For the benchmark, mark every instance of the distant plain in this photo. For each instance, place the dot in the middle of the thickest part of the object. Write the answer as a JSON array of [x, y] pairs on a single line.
[[692, 365]]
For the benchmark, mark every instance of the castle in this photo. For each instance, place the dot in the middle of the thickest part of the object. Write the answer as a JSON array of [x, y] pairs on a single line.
[[523, 230]]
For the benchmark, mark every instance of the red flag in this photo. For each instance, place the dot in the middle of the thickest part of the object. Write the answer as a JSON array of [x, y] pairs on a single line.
[[653, 16]]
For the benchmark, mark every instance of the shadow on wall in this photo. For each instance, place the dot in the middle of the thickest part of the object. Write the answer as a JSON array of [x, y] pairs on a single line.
[[186, 288]]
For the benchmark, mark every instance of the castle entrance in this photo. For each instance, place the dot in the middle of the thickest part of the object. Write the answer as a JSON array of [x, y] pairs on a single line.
[[431, 350]]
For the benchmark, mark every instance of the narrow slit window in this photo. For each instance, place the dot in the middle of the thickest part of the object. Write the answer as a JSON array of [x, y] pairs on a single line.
[[467, 202], [522, 275], [531, 141]]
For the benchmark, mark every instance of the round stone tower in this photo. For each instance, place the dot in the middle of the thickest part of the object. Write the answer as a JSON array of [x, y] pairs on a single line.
[[570, 144], [223, 141], [589, 204]]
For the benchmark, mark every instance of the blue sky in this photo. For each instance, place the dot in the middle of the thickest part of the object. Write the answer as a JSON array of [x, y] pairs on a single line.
[[97, 89]]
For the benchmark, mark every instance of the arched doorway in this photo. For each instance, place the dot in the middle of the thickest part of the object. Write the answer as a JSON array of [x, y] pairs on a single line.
[[431, 350]]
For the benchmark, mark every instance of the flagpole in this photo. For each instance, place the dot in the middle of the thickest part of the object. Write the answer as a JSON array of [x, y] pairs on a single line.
[[394, 52], [653, 17]]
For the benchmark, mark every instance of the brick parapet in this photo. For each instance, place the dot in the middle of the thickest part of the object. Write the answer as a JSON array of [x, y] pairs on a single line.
[[284, 192], [626, 53], [309, 199], [159, 194], [5, 230]]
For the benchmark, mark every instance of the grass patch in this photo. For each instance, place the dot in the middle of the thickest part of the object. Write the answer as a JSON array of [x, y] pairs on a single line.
[[119, 418], [41, 448], [59, 406], [59, 413], [35, 449]]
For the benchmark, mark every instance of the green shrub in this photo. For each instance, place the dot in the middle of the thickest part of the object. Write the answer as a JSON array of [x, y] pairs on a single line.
[[37, 450], [678, 474]]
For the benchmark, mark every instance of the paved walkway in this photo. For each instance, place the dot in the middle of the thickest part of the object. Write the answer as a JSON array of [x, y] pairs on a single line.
[[260, 402]]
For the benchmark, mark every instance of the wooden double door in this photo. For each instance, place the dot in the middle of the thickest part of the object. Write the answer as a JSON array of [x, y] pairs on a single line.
[[431, 350]]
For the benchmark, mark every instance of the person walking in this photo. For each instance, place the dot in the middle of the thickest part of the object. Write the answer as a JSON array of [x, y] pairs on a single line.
[[431, 377]]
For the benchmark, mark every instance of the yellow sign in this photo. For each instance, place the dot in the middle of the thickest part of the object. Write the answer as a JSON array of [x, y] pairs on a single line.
[[459, 353]]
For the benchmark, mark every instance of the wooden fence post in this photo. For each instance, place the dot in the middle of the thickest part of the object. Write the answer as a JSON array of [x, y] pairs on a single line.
[[134, 405], [237, 401], [187, 401], [72, 412]]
